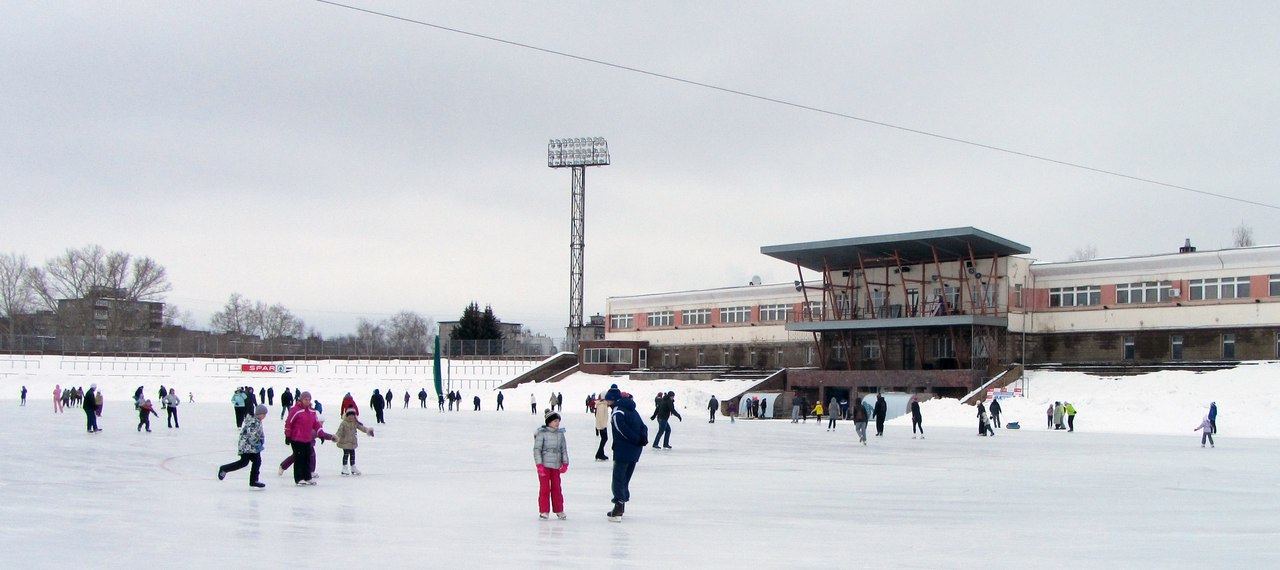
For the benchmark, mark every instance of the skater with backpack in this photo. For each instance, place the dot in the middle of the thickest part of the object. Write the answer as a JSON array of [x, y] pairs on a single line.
[[250, 448], [860, 420], [145, 411], [630, 435], [666, 407]]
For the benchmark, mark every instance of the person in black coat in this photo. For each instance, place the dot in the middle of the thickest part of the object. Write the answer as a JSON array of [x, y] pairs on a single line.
[[91, 409], [286, 402], [377, 403], [917, 421], [880, 411], [630, 435], [995, 413], [666, 407]]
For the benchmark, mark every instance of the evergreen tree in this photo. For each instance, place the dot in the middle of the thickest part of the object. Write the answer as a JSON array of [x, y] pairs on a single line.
[[476, 326]]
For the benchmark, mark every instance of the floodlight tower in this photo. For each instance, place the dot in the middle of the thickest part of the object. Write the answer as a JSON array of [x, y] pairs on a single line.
[[577, 154]]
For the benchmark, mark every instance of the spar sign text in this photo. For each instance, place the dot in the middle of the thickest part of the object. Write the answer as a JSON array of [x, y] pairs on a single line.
[[279, 368]]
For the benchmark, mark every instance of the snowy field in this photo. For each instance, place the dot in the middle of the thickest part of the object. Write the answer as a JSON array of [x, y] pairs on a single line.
[[1131, 489]]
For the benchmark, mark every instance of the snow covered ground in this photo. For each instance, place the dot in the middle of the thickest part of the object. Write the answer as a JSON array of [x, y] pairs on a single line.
[[1131, 488]]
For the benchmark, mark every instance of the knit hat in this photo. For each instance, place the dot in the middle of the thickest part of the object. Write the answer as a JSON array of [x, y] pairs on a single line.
[[614, 394], [550, 418], [261, 410]]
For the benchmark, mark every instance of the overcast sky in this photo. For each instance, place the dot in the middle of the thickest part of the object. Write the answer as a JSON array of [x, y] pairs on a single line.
[[349, 165]]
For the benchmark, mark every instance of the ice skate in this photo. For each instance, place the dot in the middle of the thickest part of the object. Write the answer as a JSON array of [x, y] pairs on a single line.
[[280, 472], [257, 484], [562, 516], [354, 471], [223, 474], [544, 516], [346, 470], [615, 515]]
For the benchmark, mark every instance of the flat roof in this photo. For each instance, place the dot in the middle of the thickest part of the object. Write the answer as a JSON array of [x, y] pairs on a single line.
[[898, 323], [951, 244]]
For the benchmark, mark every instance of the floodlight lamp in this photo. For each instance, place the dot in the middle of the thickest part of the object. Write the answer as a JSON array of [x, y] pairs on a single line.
[[580, 151]]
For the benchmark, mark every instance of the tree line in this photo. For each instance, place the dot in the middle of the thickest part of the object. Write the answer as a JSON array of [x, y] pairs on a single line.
[[92, 271]]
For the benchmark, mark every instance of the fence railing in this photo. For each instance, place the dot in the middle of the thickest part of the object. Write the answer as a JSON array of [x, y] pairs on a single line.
[[251, 347]]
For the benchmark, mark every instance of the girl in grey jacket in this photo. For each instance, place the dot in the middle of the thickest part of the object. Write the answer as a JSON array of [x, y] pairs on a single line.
[[551, 454]]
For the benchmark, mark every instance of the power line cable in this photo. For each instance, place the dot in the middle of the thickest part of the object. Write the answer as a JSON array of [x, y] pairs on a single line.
[[802, 106]]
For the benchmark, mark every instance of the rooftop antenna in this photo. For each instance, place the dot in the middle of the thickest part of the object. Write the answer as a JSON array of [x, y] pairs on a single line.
[[576, 154]]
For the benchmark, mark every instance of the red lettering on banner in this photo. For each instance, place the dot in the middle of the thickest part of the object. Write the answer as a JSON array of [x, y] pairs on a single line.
[[257, 368]]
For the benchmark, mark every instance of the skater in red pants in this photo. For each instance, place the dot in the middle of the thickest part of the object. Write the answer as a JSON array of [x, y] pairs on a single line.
[[551, 453]]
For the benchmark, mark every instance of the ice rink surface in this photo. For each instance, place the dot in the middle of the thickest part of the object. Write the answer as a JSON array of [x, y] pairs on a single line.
[[459, 490]]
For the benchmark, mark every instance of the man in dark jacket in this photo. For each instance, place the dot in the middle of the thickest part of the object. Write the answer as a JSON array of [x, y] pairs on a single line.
[[630, 435], [713, 405], [377, 403], [91, 409], [881, 410], [995, 412], [286, 402], [666, 407]]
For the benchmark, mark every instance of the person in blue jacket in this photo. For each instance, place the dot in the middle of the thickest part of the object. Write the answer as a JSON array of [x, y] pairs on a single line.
[[630, 435], [1213, 417]]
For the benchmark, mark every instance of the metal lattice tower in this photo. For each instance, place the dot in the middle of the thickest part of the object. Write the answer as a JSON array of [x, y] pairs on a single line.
[[577, 154]]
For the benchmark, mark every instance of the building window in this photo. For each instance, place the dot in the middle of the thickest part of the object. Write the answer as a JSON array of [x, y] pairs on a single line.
[[1175, 347], [725, 357], [983, 295], [1222, 288], [701, 358], [1228, 346], [979, 349], [735, 314], [942, 347], [1129, 352], [780, 362], [606, 356], [661, 319], [1278, 345], [775, 312], [1017, 296], [696, 317], [1075, 296], [1144, 292], [813, 310], [871, 349], [844, 309], [620, 322], [808, 358], [1275, 286], [952, 297]]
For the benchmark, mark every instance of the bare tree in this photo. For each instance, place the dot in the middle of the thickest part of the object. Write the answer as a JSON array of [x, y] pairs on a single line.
[[407, 332], [176, 317], [1085, 253], [77, 272], [234, 318], [16, 295], [371, 336], [1242, 236], [277, 322]]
